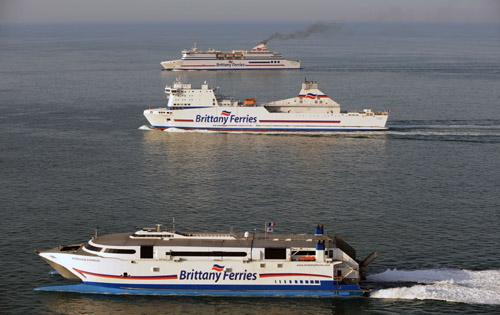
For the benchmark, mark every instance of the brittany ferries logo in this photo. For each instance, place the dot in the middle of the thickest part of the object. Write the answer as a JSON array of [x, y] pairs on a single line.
[[218, 268], [225, 117], [216, 274]]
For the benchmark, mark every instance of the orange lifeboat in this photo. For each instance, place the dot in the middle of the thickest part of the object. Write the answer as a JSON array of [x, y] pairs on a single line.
[[249, 102], [307, 258]]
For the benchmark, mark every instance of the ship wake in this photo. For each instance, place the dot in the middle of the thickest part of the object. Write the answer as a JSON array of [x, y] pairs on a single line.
[[452, 285], [485, 131]]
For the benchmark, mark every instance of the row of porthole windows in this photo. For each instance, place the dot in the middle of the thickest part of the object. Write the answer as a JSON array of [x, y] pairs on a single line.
[[316, 102], [297, 281]]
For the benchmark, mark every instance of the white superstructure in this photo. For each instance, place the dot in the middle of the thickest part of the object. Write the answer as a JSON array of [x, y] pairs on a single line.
[[259, 58], [310, 111], [153, 258]]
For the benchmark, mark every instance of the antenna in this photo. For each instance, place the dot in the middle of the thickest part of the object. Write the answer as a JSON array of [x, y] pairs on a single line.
[[173, 224], [96, 231]]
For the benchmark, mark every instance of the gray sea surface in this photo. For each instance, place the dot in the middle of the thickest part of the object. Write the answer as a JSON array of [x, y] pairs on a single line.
[[425, 195]]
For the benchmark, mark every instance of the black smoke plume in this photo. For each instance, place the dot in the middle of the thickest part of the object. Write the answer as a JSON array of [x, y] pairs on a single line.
[[316, 28]]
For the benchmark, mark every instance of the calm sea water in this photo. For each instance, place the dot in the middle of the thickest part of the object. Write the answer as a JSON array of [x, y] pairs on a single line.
[[426, 194]]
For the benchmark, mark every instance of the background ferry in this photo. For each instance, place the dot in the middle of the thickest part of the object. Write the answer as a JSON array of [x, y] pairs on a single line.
[[259, 58]]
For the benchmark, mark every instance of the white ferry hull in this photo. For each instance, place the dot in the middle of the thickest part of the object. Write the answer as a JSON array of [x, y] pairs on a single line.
[[201, 276], [187, 65], [259, 120]]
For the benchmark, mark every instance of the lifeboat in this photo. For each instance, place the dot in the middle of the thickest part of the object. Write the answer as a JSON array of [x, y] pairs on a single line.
[[307, 258], [249, 102]]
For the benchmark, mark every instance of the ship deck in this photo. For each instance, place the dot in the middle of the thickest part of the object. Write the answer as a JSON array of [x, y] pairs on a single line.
[[254, 240]]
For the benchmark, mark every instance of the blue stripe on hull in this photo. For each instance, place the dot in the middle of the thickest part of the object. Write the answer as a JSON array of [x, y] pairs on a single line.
[[197, 290], [323, 286], [274, 129]]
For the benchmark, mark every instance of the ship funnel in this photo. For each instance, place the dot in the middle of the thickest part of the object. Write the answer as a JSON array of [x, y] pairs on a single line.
[[320, 230], [320, 251], [260, 47]]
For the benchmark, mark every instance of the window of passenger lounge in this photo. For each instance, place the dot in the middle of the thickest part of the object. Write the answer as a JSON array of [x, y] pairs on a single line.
[[119, 251], [146, 251], [275, 253], [207, 254]]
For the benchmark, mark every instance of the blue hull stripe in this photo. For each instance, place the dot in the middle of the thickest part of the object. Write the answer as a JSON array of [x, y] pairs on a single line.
[[274, 129], [95, 289], [324, 286]]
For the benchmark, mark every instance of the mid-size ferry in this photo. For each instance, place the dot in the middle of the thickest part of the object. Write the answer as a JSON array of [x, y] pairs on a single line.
[[310, 111], [213, 264], [258, 58]]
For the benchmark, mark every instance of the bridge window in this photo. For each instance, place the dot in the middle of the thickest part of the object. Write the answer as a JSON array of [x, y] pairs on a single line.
[[152, 235], [92, 247]]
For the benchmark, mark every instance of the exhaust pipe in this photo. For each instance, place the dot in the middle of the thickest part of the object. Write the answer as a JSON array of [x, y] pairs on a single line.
[[363, 265]]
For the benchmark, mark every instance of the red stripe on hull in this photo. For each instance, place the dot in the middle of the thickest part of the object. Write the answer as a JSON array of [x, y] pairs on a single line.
[[270, 275], [302, 121], [167, 277], [184, 120], [198, 66], [313, 97]]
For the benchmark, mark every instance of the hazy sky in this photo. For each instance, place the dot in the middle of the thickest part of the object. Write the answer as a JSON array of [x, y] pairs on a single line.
[[62, 11]]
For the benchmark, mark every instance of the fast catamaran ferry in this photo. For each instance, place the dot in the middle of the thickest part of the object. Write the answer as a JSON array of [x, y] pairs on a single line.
[[169, 262], [258, 58], [310, 111]]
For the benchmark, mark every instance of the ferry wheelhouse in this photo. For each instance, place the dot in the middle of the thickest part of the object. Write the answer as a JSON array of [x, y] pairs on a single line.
[[262, 264], [258, 58]]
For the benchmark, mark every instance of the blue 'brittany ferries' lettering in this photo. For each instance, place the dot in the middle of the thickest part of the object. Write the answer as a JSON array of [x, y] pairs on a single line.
[[216, 276], [226, 119]]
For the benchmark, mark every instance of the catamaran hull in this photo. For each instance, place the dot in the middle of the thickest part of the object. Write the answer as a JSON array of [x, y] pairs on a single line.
[[102, 276]]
